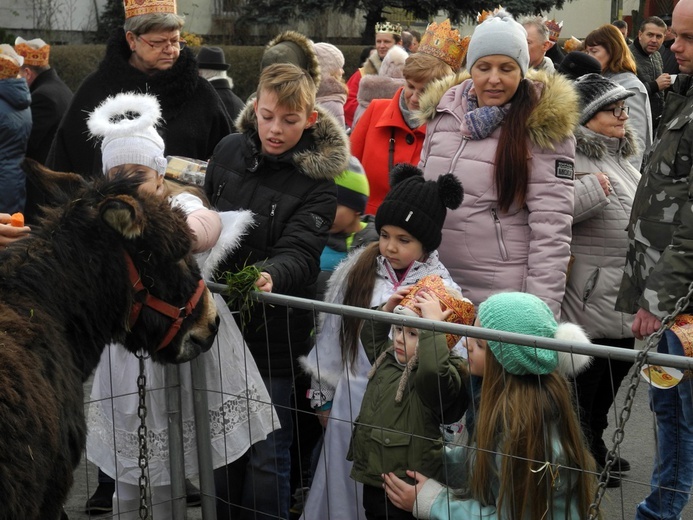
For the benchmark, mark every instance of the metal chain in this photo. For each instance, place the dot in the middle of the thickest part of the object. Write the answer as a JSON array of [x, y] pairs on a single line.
[[142, 438], [617, 437]]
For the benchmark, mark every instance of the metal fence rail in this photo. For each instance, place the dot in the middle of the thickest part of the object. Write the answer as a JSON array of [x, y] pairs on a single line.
[[206, 480]]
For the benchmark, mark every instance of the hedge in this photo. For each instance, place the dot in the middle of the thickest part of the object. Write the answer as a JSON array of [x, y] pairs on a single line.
[[74, 62]]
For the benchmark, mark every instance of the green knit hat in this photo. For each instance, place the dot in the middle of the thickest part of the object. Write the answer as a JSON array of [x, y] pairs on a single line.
[[352, 186], [520, 313]]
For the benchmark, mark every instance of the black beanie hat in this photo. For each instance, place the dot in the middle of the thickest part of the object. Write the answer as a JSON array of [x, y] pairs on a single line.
[[419, 206], [578, 63]]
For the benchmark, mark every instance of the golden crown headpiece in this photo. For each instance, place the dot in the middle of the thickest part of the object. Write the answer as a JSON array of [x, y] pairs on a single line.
[[554, 29], [387, 27], [480, 17], [35, 52], [463, 311], [572, 44], [445, 43], [138, 7], [9, 68]]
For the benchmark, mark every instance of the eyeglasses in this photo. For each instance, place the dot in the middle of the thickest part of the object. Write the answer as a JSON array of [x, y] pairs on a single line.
[[617, 110], [165, 44]]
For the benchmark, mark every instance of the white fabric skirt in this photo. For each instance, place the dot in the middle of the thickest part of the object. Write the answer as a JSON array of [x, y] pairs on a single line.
[[240, 409]]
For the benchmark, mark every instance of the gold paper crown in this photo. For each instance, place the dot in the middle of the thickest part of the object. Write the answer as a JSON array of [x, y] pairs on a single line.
[[444, 42], [572, 44], [387, 27], [138, 7], [480, 17], [8, 67], [33, 55], [554, 29], [463, 311]]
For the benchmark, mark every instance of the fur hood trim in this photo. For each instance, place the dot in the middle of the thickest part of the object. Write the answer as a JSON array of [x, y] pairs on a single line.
[[377, 87], [235, 225], [594, 146], [332, 87], [371, 65], [570, 365], [329, 155], [553, 120], [306, 46]]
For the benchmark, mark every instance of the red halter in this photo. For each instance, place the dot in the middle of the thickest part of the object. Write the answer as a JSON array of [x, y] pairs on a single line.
[[143, 298]]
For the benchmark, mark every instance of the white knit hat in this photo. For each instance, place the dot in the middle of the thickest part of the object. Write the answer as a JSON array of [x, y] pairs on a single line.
[[499, 34], [330, 58], [127, 124]]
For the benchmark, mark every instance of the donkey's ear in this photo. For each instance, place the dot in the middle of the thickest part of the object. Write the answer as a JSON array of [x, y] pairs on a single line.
[[124, 214], [47, 188]]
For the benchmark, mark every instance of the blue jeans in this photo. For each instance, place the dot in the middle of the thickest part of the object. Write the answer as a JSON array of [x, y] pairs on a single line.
[[672, 475], [260, 480]]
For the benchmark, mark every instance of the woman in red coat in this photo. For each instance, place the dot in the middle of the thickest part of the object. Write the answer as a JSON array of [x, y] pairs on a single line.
[[388, 133]]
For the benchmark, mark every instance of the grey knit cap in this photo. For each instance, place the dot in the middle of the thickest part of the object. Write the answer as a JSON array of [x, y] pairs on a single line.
[[597, 92], [499, 34]]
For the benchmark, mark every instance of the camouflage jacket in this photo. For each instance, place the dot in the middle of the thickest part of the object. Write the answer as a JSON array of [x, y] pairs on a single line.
[[659, 261]]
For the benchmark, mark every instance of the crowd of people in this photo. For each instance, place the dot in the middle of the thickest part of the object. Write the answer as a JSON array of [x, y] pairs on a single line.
[[494, 180]]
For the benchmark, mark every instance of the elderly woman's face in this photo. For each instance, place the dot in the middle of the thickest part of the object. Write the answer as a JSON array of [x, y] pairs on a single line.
[[496, 78], [154, 51], [607, 123]]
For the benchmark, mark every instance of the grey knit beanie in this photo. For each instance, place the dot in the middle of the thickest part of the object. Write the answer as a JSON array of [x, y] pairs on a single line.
[[597, 92], [499, 34]]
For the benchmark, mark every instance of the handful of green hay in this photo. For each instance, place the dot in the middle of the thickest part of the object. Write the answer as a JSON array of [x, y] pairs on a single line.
[[239, 285]]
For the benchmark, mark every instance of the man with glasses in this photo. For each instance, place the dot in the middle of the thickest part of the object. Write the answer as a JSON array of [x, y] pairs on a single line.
[[657, 274]]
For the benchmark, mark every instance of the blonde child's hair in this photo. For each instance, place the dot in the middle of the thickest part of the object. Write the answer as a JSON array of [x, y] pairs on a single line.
[[292, 85], [518, 416]]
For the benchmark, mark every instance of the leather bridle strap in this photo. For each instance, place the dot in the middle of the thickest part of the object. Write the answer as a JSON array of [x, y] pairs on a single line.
[[143, 298]]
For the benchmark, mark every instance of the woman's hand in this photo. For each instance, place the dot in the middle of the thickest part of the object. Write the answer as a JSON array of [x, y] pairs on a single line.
[[604, 183], [8, 233], [400, 493], [264, 282]]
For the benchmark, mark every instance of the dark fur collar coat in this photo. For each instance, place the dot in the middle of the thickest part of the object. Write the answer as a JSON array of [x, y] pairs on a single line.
[[194, 118]]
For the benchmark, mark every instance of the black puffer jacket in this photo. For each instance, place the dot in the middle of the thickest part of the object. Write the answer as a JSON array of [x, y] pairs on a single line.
[[294, 199], [194, 120]]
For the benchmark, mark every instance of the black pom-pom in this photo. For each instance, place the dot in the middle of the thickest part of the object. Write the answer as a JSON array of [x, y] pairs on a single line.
[[450, 190], [402, 171]]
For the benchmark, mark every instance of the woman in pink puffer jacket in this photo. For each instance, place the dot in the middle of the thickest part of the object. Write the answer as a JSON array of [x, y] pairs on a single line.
[[507, 133]]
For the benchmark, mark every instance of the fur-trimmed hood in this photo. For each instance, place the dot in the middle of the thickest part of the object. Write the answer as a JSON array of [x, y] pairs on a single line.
[[306, 47], [553, 120], [333, 89], [372, 64], [326, 154], [377, 87], [596, 146]]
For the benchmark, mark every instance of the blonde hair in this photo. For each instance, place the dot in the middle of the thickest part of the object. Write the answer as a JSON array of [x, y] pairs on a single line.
[[424, 68], [292, 85], [609, 37], [518, 417]]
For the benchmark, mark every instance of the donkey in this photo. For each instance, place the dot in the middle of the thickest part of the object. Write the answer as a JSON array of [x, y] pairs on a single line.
[[105, 264]]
